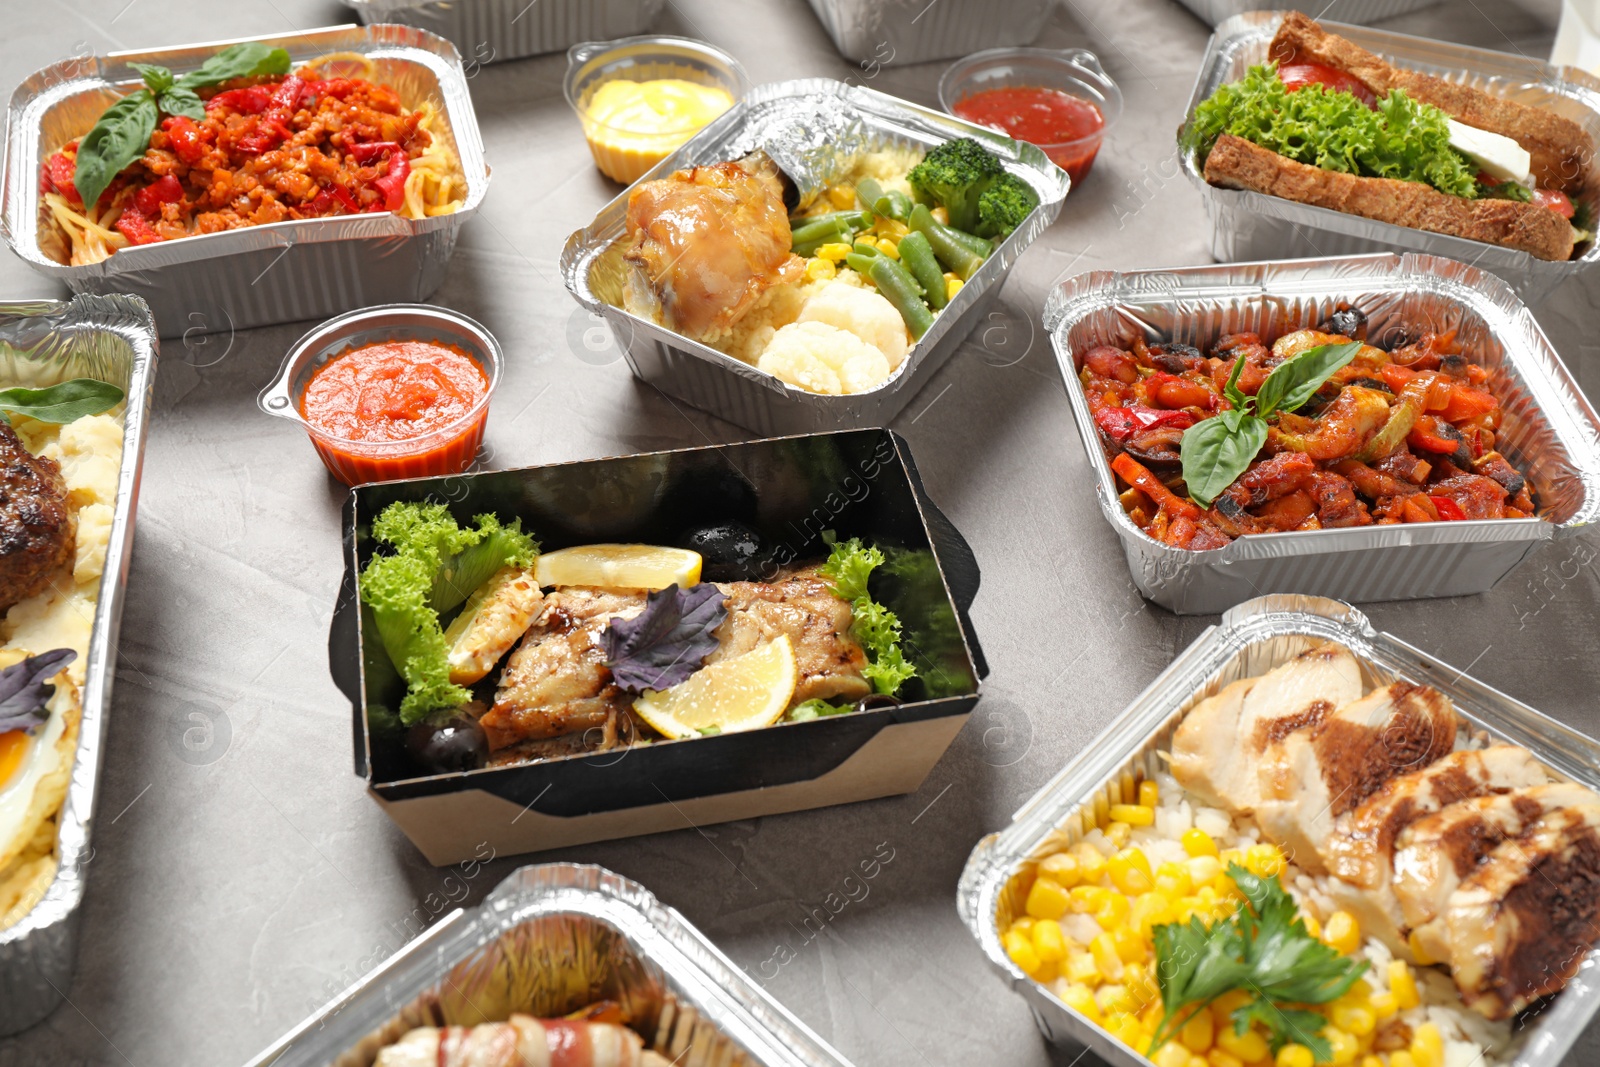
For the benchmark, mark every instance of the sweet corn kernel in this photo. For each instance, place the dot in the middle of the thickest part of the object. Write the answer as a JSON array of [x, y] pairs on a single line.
[[1173, 879], [1114, 1000], [1133, 814], [1080, 967], [1105, 955], [1264, 861], [1091, 862], [1020, 949], [1061, 869], [1384, 1005], [1197, 1034], [1230, 856], [1344, 1046], [1294, 1055], [952, 286], [1203, 869], [834, 250], [842, 197], [1343, 933], [1402, 1058], [1080, 998], [1402, 985], [1422, 955], [1130, 871], [888, 248], [1086, 898], [1172, 1054], [1222, 1058], [1427, 1046], [1130, 946], [1227, 1004], [1360, 990], [1149, 793], [1126, 1029], [1118, 833], [1196, 842], [941, 215], [1149, 911], [1047, 900], [1151, 1017], [1371, 1061], [884, 226], [1355, 1018], [1023, 925], [820, 270], [1113, 910], [1141, 984], [1048, 943], [1048, 972], [1248, 1046], [1309, 921], [1197, 1060]]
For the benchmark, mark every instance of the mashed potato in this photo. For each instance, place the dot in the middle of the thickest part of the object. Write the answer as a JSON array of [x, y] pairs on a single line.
[[89, 451], [865, 313]]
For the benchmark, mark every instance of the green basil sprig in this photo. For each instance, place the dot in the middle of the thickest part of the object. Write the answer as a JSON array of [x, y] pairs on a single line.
[[62, 403], [123, 131], [1217, 450]]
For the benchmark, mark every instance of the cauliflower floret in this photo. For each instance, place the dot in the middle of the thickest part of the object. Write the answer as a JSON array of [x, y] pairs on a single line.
[[863, 312], [820, 358]]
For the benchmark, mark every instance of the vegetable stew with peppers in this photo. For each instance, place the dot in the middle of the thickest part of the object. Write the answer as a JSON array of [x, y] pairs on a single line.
[[1318, 430]]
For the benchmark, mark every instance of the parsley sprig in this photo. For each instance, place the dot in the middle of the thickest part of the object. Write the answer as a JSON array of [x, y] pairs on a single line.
[[1263, 950]]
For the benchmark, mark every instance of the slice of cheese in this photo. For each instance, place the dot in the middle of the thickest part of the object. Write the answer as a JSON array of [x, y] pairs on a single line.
[[1497, 156]]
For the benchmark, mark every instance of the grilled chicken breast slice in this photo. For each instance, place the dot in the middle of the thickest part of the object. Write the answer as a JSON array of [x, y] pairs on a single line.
[[817, 622], [1435, 853], [1327, 770], [1521, 923], [1220, 747]]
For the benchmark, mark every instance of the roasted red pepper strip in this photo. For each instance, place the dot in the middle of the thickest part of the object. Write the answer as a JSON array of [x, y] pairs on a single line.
[[164, 190], [184, 135], [393, 184], [1448, 509], [1468, 403], [1138, 475], [252, 100], [59, 171], [286, 96], [341, 194], [133, 225], [1121, 423], [366, 153]]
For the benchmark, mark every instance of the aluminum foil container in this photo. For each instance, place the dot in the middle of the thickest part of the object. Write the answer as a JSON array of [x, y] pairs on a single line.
[[1250, 639], [549, 940], [41, 343], [813, 129], [486, 31], [1246, 225], [259, 275], [881, 33], [1550, 432], [1362, 11]]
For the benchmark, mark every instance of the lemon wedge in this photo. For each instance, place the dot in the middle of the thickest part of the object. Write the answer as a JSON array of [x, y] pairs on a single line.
[[745, 692], [620, 566]]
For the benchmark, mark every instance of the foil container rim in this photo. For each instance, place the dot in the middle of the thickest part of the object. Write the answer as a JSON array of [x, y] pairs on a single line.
[[129, 319], [1077, 296], [1251, 26], [584, 245], [19, 195], [998, 856]]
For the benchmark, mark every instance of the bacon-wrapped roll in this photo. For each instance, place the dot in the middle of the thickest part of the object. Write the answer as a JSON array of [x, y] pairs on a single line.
[[522, 1041]]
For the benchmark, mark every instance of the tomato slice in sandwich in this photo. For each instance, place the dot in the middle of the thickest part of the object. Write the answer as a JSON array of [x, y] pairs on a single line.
[[1298, 75], [1555, 200]]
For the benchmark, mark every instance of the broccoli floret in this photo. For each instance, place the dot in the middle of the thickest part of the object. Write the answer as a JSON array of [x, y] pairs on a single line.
[[1004, 205], [956, 174]]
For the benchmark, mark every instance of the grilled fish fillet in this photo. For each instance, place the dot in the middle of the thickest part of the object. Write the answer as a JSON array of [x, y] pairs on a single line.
[[1219, 747], [1319, 774], [817, 623], [1520, 923]]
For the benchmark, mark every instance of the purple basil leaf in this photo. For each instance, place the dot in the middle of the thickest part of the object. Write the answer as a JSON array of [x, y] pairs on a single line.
[[668, 640], [24, 690]]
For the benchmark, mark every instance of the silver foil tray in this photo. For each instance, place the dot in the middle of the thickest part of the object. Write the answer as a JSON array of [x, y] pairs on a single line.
[[1250, 639], [813, 128], [258, 275], [1550, 430], [42, 343], [549, 940], [885, 33], [1215, 11], [1246, 225], [489, 30]]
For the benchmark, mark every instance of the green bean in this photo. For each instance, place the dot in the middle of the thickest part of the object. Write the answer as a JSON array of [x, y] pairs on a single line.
[[971, 240], [895, 204], [866, 248], [900, 289], [916, 255], [869, 192], [957, 257], [859, 263], [817, 230]]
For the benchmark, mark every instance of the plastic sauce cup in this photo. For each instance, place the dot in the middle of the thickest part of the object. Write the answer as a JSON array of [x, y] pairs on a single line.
[[448, 449], [1073, 71], [622, 154]]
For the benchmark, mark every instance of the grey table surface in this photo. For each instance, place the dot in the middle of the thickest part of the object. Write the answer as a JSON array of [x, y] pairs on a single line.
[[241, 874]]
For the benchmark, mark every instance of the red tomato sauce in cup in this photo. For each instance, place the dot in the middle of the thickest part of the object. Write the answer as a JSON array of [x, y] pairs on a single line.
[[1067, 127], [376, 398]]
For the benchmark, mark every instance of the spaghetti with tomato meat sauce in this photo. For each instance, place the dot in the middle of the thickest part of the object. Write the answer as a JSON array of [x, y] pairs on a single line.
[[1401, 436], [269, 149]]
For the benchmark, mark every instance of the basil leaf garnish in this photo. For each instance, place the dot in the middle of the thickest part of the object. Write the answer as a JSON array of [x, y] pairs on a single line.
[[181, 102], [247, 60], [1293, 382], [119, 138], [63, 403], [157, 79], [1214, 455]]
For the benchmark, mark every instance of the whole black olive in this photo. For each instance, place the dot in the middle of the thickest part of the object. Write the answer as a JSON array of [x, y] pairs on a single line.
[[456, 744], [731, 551], [1346, 321]]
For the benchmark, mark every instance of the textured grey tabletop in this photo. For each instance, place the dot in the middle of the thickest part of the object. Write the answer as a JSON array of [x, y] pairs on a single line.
[[242, 876]]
